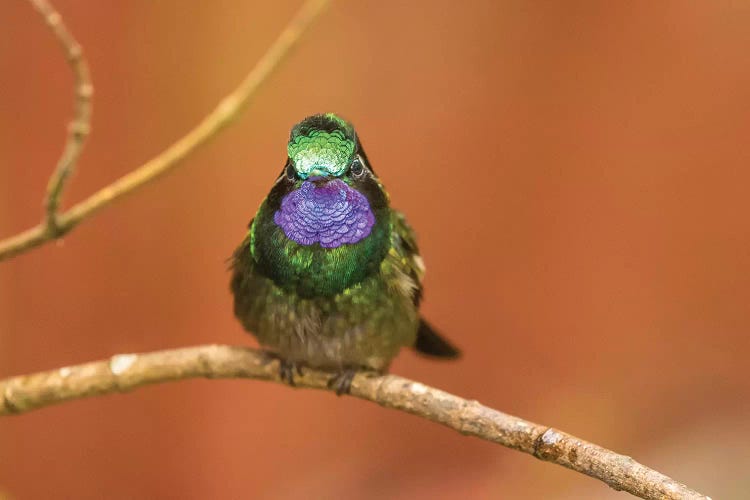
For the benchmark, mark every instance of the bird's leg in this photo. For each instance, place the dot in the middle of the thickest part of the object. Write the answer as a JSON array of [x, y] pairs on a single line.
[[286, 371], [287, 368], [341, 382]]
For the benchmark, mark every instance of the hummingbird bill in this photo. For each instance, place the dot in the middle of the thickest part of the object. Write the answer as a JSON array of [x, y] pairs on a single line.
[[329, 276]]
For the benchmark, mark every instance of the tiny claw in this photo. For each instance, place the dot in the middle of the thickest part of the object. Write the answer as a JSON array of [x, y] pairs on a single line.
[[286, 371], [341, 383], [287, 368]]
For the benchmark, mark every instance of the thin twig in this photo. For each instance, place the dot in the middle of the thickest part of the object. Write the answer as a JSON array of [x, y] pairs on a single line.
[[221, 116], [125, 372], [80, 126]]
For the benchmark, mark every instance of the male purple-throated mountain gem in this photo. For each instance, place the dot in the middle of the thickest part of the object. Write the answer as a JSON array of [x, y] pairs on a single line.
[[328, 275]]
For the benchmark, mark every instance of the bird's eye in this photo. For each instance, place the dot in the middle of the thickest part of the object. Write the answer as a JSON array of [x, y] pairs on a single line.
[[357, 169], [290, 173]]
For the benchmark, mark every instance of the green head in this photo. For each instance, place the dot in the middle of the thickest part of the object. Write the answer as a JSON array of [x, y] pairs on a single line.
[[322, 145], [325, 225]]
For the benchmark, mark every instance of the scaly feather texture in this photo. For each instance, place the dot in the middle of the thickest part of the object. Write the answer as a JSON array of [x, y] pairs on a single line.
[[328, 274]]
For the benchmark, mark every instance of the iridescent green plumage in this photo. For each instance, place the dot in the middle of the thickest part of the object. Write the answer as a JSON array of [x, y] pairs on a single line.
[[350, 301], [313, 151]]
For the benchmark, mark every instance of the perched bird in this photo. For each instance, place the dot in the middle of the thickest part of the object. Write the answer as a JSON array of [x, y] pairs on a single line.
[[328, 275]]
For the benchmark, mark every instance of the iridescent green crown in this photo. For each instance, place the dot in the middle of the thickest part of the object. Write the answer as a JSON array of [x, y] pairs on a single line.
[[321, 145]]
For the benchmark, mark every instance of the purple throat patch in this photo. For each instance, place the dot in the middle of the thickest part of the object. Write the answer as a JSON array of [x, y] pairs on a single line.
[[332, 214]]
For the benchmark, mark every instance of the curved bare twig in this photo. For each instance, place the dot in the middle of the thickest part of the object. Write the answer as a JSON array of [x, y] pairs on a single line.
[[220, 117], [80, 126], [125, 372]]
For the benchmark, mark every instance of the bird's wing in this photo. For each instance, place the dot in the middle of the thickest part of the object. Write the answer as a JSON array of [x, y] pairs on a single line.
[[404, 248], [244, 283], [404, 242]]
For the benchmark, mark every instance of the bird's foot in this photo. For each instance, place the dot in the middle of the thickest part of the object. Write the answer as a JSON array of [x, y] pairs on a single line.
[[341, 382], [287, 368]]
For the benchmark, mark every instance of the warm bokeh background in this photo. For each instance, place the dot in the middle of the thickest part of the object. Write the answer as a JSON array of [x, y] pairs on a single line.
[[578, 176]]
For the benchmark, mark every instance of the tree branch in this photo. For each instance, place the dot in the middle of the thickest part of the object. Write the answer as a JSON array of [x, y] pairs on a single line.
[[79, 127], [55, 225], [125, 372]]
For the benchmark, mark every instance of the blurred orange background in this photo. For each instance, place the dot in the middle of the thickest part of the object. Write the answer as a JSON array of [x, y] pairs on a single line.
[[577, 173]]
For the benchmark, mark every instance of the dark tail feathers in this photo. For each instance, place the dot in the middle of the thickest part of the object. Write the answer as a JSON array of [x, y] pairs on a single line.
[[429, 342]]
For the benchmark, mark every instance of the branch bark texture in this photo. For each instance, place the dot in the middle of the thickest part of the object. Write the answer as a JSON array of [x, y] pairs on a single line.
[[125, 372]]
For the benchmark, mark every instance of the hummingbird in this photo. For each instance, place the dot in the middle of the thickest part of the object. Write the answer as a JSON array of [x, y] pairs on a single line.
[[329, 276]]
